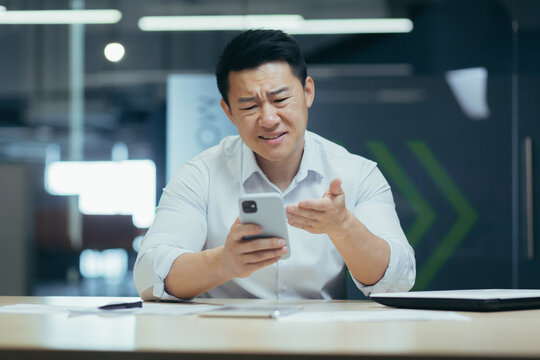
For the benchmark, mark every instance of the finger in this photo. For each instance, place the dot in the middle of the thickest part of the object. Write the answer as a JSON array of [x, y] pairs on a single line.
[[290, 208], [294, 210], [239, 231], [265, 255], [306, 216], [261, 264], [261, 244], [335, 187], [303, 226], [301, 222], [315, 204]]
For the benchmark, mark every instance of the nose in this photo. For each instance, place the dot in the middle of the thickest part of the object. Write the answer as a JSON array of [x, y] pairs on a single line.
[[269, 116]]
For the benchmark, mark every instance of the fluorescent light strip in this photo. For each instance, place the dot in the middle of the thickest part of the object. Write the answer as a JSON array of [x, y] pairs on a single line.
[[352, 26], [46, 17], [209, 23], [293, 24]]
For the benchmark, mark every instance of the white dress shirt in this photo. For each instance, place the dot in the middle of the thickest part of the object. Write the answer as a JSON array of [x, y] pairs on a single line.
[[200, 204]]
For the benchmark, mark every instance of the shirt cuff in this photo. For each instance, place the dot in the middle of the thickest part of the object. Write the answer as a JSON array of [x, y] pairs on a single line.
[[163, 261], [399, 275]]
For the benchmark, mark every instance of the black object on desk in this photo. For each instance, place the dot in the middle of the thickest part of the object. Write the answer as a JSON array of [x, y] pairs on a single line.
[[128, 305], [463, 300]]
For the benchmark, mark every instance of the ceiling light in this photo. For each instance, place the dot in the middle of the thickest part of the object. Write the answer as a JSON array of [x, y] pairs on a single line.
[[292, 24], [114, 52], [352, 26], [208, 23], [38, 17]]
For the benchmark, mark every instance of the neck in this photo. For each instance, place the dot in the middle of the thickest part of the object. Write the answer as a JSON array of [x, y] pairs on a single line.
[[281, 173]]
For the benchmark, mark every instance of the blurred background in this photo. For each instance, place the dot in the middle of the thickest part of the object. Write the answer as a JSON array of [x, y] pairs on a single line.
[[102, 100]]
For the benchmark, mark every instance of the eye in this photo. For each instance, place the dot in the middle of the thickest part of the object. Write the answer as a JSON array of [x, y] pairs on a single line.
[[281, 100], [249, 107]]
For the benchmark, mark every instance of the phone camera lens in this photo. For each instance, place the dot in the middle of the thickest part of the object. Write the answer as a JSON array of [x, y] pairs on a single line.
[[249, 206]]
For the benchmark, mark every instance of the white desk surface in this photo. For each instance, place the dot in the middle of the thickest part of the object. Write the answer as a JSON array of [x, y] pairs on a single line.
[[512, 334]]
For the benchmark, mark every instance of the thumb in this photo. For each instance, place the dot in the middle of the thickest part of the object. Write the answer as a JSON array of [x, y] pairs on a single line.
[[335, 187]]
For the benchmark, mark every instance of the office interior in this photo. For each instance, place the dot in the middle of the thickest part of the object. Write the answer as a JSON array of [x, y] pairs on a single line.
[[444, 97]]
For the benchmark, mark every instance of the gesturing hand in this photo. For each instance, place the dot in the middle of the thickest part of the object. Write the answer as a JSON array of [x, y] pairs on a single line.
[[326, 215], [242, 257]]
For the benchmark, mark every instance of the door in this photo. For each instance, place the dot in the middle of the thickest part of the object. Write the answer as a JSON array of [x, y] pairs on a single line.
[[528, 150]]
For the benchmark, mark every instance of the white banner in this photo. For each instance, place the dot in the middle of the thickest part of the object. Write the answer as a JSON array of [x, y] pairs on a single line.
[[195, 120]]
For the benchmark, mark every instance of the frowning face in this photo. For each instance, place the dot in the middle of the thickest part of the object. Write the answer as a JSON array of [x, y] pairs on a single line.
[[269, 106]]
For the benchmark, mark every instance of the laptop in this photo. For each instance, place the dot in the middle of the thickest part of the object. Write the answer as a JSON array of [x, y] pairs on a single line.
[[463, 300]]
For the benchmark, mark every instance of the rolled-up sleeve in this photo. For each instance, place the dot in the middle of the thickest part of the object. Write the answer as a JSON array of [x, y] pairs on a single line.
[[179, 227], [376, 210]]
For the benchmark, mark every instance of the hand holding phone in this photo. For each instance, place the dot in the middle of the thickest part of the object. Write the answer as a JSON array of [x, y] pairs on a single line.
[[268, 211]]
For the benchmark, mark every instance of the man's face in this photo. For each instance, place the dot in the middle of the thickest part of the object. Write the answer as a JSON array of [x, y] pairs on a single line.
[[269, 106]]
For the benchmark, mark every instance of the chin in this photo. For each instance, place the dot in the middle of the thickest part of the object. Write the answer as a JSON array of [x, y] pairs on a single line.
[[273, 157]]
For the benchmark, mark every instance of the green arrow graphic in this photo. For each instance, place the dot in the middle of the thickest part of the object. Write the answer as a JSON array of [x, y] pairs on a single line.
[[466, 215], [425, 215]]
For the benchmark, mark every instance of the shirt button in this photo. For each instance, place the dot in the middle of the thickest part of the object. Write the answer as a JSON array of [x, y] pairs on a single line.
[[284, 287]]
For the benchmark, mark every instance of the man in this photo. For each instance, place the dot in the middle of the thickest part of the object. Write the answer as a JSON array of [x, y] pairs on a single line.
[[339, 206]]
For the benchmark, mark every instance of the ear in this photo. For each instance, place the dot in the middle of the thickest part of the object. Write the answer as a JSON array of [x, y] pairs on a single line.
[[227, 111], [309, 91]]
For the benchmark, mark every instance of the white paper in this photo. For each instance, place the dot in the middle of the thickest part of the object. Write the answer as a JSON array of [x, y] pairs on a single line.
[[374, 315], [174, 309], [188, 309], [30, 309], [147, 309]]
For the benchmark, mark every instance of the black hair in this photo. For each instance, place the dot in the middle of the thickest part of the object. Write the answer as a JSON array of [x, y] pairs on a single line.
[[254, 48]]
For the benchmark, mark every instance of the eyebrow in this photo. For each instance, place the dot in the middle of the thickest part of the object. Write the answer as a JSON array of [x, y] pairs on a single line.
[[271, 93], [280, 90]]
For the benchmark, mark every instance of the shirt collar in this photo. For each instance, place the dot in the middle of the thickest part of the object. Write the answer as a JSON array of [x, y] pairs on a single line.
[[249, 163], [311, 160]]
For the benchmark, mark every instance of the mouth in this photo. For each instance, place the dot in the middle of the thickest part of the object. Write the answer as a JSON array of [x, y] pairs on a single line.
[[273, 137]]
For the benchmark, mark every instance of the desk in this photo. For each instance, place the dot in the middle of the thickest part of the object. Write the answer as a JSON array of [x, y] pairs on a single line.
[[513, 335]]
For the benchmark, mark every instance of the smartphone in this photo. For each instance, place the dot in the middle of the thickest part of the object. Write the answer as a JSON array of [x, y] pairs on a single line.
[[268, 211]]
